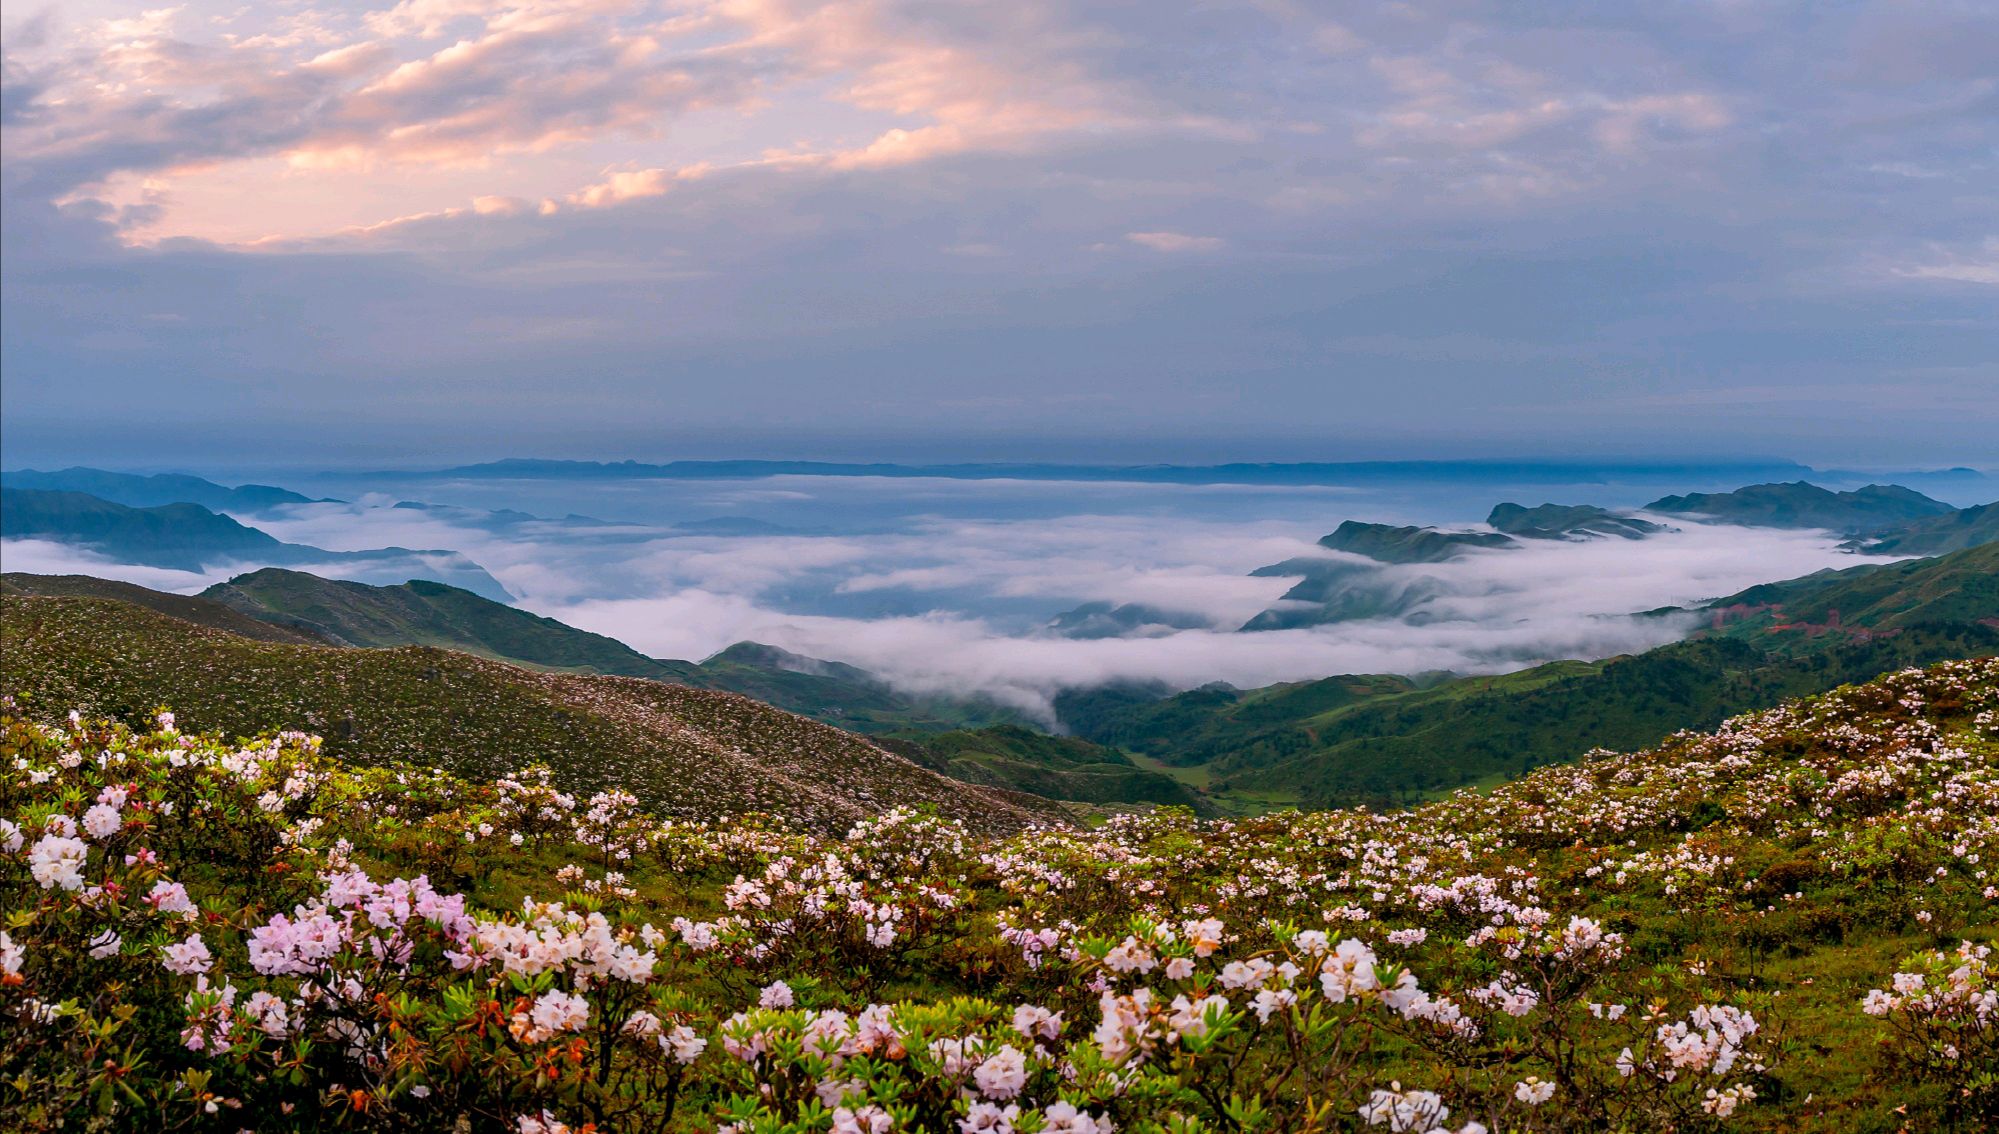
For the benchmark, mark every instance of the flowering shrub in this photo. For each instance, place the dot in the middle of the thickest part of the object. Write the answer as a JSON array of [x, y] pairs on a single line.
[[203, 934]]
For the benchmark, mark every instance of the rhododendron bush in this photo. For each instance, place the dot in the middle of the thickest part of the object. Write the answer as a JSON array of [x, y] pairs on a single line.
[[1779, 925]]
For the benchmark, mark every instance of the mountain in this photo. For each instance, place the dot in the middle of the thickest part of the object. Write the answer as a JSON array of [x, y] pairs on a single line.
[[1375, 738], [427, 613], [1960, 587], [1568, 521], [1803, 505], [189, 537], [1340, 590], [1059, 767], [684, 752], [185, 537], [1935, 535], [1121, 620], [199, 611], [1381, 741], [152, 491], [1388, 544], [424, 613]]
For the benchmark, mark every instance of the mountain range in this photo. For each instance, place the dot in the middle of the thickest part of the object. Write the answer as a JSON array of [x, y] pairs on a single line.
[[338, 612], [152, 491], [1352, 738], [1340, 739], [1378, 738], [1357, 584], [189, 537]]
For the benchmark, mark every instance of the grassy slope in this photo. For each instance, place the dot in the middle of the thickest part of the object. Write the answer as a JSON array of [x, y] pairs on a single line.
[[423, 613], [1378, 739], [684, 751], [199, 611], [1960, 587], [1936, 535], [1388, 744], [1806, 961], [1059, 767]]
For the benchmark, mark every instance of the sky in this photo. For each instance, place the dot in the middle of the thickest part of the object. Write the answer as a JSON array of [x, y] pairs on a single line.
[[442, 230]]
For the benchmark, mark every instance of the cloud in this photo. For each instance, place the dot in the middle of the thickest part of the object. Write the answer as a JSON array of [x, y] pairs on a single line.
[[956, 603], [1175, 241], [1499, 611], [623, 185], [1425, 225], [44, 557], [1979, 266]]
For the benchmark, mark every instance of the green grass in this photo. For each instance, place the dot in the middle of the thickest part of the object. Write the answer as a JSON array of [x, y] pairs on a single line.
[[684, 751]]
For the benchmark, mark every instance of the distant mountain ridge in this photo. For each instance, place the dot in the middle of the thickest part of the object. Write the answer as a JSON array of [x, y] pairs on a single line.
[[190, 537], [1294, 472], [1800, 504], [1377, 738], [136, 491], [1879, 519]]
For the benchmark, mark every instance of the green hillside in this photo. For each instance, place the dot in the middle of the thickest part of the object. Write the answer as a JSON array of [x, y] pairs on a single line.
[[199, 611], [1804, 505], [1378, 743], [1390, 544], [423, 613], [1960, 587], [1058, 767], [1564, 521], [1349, 739], [1937, 535], [1782, 927], [685, 752]]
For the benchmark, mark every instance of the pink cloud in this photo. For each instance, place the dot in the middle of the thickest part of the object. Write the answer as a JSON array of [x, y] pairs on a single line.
[[1175, 241]]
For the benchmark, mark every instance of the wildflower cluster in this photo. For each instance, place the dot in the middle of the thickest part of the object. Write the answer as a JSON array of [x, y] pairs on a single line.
[[200, 934]]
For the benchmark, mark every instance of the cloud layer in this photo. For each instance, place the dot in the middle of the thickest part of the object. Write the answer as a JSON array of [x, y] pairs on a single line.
[[937, 588]]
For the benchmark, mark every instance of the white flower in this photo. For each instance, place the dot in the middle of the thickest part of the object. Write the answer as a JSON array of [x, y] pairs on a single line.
[[685, 1043], [985, 1118], [188, 957], [105, 944], [1533, 1091], [57, 860], [1003, 1073], [777, 994], [102, 821], [560, 1012], [11, 955]]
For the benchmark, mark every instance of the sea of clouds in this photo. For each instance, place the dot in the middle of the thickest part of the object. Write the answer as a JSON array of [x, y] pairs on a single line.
[[947, 588]]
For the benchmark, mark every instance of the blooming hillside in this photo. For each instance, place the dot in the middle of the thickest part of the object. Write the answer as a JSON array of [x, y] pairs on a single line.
[[1781, 925], [684, 752]]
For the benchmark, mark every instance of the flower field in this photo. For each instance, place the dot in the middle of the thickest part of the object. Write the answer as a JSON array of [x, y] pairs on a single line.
[[1782, 925]]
